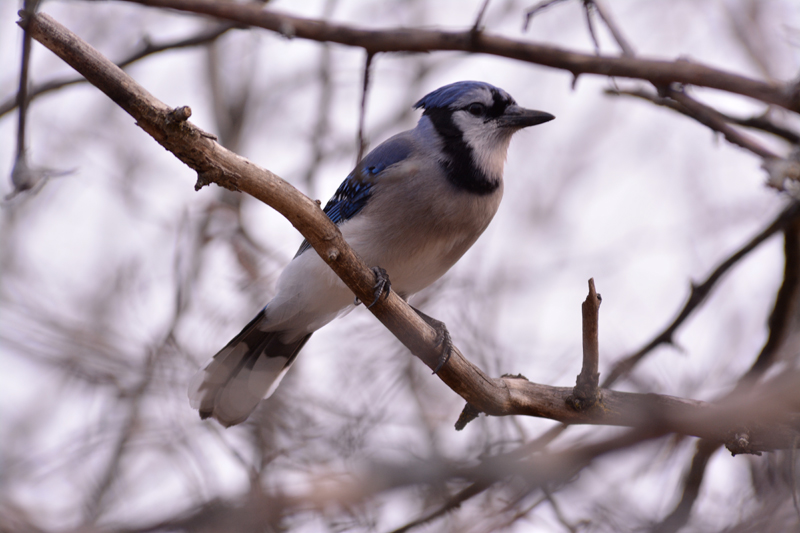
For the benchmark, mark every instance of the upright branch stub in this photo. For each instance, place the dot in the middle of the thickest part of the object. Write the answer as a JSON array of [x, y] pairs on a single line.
[[586, 392]]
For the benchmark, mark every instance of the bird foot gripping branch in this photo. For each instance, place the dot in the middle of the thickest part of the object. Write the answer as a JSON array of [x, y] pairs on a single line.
[[383, 285], [443, 338]]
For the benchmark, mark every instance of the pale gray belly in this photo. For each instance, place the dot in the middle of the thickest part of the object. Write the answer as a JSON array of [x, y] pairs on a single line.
[[418, 245]]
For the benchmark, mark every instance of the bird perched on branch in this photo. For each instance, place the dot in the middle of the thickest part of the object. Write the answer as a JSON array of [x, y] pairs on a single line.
[[412, 207]]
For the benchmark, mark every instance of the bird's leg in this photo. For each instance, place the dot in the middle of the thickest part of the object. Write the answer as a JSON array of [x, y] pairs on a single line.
[[442, 338], [383, 286]]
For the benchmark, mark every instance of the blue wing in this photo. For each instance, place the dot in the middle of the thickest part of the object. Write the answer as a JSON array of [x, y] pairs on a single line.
[[355, 191]]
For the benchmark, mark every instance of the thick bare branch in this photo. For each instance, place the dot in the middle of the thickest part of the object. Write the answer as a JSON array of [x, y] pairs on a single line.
[[660, 73]]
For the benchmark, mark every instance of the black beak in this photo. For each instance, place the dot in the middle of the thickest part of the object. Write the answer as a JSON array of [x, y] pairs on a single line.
[[518, 117]]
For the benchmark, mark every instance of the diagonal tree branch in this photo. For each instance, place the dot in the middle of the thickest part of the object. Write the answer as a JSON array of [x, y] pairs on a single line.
[[779, 323], [787, 304], [759, 122], [698, 294], [147, 49], [711, 118]]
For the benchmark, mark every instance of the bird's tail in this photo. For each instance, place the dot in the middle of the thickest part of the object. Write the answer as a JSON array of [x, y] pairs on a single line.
[[244, 372]]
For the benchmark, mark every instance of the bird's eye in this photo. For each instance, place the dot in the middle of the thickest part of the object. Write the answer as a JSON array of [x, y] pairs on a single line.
[[476, 109]]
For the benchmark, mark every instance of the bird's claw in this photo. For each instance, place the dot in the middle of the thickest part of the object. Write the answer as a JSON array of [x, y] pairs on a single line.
[[382, 285], [443, 339]]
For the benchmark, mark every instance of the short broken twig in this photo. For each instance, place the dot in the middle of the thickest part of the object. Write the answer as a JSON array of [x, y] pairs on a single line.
[[586, 393]]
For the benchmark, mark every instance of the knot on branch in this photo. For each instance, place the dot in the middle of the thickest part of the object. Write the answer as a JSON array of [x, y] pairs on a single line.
[[586, 393], [740, 443], [783, 174], [24, 18], [207, 177], [469, 414], [180, 114]]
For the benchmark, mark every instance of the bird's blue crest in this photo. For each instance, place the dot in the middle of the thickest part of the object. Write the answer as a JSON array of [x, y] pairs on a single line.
[[450, 94]]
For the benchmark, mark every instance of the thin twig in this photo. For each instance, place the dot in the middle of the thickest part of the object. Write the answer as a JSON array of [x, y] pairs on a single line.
[[793, 476], [691, 489], [605, 15], [362, 145], [683, 103], [761, 122], [479, 18], [526, 450], [764, 124], [106, 480], [519, 513], [323, 113], [21, 176], [544, 4], [687, 105], [557, 510], [452, 503], [713, 119], [22, 91], [587, 8], [147, 49], [698, 294], [787, 303], [322, 127]]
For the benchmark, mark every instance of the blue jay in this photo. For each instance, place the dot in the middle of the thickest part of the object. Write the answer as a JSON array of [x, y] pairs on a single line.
[[412, 206]]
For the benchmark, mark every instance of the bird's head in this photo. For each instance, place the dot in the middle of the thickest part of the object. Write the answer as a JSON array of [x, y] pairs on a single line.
[[475, 121]]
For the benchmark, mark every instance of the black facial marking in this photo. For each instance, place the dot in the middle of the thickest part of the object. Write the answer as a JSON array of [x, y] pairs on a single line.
[[460, 167], [499, 105]]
